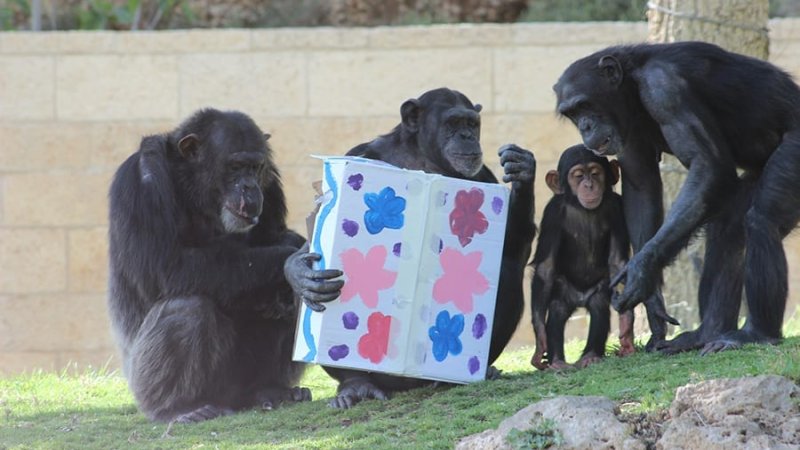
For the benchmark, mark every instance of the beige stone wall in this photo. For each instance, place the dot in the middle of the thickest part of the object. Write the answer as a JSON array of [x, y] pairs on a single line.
[[73, 105]]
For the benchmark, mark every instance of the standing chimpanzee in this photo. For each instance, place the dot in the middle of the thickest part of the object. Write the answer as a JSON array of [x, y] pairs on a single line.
[[582, 242], [201, 310], [439, 133], [716, 111]]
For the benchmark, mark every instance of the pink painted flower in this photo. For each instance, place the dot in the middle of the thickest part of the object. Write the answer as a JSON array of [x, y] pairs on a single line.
[[466, 219], [365, 275], [461, 279]]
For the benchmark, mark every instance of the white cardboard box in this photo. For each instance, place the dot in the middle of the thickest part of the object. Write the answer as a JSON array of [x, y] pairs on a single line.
[[421, 258]]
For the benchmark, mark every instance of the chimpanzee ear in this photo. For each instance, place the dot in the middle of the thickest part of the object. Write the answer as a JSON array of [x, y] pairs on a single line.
[[188, 145], [267, 136], [614, 171], [611, 70], [553, 182], [478, 107], [409, 112]]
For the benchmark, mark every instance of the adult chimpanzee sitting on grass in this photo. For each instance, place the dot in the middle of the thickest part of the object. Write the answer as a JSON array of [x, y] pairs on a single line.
[[439, 133], [200, 307]]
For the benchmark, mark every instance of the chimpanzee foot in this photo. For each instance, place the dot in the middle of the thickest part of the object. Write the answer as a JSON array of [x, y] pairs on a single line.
[[655, 343], [560, 365], [353, 391], [203, 413], [626, 348], [587, 360], [538, 359], [275, 397], [493, 373], [684, 342], [736, 339]]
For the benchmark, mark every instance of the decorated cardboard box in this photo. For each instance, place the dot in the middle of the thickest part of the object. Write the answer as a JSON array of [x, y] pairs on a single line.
[[421, 259]]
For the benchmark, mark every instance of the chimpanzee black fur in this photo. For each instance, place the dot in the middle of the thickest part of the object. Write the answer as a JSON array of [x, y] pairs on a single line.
[[439, 133], [202, 313], [582, 242], [717, 112]]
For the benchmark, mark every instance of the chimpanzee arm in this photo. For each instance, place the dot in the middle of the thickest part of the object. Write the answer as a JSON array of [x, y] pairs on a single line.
[[694, 143], [544, 276], [620, 243]]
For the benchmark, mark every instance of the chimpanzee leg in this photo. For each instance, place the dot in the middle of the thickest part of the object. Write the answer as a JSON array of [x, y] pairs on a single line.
[[179, 361], [599, 307], [775, 212], [557, 316], [721, 284], [626, 346], [264, 366]]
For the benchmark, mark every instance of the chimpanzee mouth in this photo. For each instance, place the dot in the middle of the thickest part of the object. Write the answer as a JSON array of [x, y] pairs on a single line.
[[250, 220], [590, 202], [602, 148]]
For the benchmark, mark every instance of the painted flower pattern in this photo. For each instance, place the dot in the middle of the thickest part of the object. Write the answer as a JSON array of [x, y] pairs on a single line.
[[461, 279], [385, 210], [466, 219], [445, 335], [338, 352], [374, 345], [365, 275], [474, 365]]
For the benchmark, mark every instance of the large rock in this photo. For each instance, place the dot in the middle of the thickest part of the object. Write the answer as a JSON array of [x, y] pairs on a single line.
[[582, 422], [744, 413], [760, 412]]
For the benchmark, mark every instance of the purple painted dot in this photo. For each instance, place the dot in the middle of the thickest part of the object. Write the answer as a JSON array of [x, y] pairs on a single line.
[[497, 205], [441, 245], [396, 248], [474, 365], [338, 352], [444, 199], [479, 326], [355, 181], [350, 320], [350, 227]]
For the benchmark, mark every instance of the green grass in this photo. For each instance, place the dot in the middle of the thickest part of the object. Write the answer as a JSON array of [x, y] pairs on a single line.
[[95, 410]]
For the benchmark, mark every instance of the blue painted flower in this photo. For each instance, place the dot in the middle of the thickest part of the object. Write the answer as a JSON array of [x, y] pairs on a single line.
[[385, 210], [445, 335]]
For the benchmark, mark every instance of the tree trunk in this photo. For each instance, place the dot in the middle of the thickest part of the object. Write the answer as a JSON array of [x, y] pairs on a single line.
[[738, 26]]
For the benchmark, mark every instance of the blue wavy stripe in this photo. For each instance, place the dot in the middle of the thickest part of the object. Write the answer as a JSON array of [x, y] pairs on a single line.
[[326, 210]]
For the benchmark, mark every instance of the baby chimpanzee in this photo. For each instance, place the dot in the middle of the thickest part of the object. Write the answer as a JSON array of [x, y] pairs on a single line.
[[582, 243]]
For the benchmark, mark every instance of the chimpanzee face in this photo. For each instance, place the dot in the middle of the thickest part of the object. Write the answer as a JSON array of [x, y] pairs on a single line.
[[597, 132], [242, 199], [448, 130], [588, 183], [588, 94], [225, 161], [459, 140]]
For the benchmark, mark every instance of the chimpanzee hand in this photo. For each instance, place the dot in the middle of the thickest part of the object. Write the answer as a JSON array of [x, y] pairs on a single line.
[[314, 287], [641, 281], [519, 166]]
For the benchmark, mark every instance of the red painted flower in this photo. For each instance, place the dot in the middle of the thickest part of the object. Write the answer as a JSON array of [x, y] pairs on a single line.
[[466, 219], [375, 344], [365, 275]]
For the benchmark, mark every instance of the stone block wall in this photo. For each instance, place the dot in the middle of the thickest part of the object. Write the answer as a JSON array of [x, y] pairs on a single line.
[[74, 105]]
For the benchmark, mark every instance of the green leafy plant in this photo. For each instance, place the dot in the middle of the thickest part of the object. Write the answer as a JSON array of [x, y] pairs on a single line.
[[543, 433]]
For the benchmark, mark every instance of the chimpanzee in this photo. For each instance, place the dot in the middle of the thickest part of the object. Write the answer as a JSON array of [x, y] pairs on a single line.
[[716, 111], [200, 307], [582, 242], [439, 133]]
